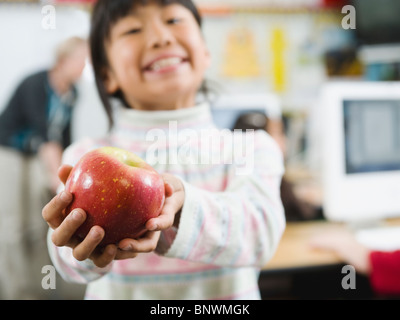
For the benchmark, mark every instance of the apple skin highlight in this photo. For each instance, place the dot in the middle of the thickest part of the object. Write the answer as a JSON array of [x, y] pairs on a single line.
[[118, 191]]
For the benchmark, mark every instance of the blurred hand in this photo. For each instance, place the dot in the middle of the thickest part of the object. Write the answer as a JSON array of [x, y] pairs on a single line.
[[345, 245]]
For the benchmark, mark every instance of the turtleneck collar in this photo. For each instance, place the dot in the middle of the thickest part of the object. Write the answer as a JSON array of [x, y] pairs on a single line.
[[136, 121]]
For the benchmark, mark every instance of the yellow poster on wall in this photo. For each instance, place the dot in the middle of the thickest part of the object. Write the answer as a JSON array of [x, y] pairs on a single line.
[[240, 58], [278, 48]]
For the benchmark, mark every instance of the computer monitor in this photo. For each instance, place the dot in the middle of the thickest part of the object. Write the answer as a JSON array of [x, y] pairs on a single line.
[[377, 22], [228, 107], [361, 151]]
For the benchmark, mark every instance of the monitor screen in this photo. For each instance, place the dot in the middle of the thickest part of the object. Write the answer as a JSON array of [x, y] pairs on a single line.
[[377, 21], [372, 135]]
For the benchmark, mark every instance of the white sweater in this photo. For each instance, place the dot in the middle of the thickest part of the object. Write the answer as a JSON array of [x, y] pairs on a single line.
[[232, 218]]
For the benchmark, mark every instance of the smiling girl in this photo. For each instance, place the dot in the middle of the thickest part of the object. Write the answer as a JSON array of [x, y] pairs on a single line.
[[217, 228]]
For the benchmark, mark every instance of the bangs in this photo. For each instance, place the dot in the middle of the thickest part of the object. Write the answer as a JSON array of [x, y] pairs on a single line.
[[114, 10]]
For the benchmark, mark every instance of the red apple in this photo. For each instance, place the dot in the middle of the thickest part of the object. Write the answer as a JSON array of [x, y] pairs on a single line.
[[119, 192]]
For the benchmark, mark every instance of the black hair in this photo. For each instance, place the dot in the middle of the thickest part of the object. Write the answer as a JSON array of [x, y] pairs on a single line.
[[251, 120], [105, 14]]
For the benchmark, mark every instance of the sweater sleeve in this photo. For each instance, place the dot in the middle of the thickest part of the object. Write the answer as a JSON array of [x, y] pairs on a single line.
[[385, 272], [240, 226]]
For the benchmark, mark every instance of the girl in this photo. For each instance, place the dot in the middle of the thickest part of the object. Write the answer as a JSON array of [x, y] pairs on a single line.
[[218, 226]]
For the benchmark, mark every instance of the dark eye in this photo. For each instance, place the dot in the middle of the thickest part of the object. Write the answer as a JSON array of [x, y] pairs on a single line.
[[173, 21], [133, 31]]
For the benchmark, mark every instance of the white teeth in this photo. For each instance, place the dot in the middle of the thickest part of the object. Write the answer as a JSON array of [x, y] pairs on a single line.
[[165, 63]]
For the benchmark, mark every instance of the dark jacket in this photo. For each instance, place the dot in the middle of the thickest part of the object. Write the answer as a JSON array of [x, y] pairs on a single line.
[[24, 124]]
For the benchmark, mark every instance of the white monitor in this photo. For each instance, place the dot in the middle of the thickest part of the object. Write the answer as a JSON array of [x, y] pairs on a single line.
[[361, 150]]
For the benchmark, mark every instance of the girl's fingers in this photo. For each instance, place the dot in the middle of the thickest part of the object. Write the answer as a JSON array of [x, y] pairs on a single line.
[[64, 232], [121, 255], [52, 212], [164, 221], [147, 243], [101, 258], [169, 190], [86, 248], [63, 173], [169, 214]]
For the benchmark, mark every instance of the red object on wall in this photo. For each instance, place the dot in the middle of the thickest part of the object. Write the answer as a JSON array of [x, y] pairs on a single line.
[[334, 3]]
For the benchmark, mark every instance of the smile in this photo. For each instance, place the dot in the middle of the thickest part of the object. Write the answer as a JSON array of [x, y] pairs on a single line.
[[165, 64]]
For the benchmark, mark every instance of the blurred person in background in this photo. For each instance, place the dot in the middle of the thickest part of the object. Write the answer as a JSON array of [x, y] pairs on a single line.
[[295, 208], [382, 268], [37, 119], [34, 130]]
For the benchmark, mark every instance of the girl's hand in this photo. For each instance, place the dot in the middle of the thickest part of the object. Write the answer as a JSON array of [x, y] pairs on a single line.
[[65, 227], [169, 216]]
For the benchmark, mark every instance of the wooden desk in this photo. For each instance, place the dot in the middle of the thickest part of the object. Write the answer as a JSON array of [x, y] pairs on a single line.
[[294, 250]]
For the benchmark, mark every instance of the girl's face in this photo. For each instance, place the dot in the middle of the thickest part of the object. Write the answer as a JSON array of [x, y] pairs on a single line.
[[157, 57]]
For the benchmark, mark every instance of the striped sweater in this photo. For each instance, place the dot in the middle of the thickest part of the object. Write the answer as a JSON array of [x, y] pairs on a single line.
[[231, 221]]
